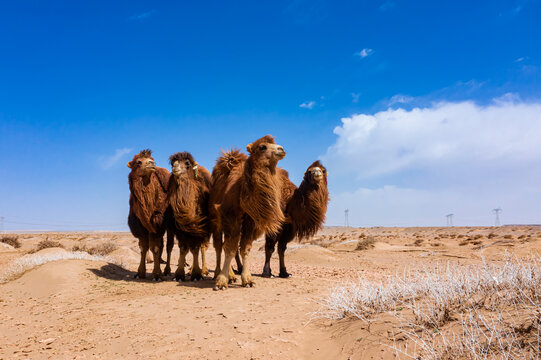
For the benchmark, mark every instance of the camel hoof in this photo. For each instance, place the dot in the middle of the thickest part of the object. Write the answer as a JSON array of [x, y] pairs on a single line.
[[284, 275], [139, 276]]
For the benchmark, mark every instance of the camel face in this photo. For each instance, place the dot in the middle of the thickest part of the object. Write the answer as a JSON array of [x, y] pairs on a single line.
[[267, 153], [142, 166], [181, 167], [316, 173]]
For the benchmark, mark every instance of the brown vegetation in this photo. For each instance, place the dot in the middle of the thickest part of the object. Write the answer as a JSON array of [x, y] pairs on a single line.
[[246, 202], [45, 244], [148, 192], [188, 197], [12, 240], [366, 243], [102, 249]]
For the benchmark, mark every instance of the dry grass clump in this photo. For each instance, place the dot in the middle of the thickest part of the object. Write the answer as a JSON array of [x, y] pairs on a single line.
[[464, 242], [491, 235], [508, 236], [473, 312], [418, 242], [12, 240], [45, 244], [366, 243], [103, 248]]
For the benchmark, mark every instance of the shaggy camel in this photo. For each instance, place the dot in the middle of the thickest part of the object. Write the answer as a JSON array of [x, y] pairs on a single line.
[[148, 203], [305, 209], [247, 203], [187, 214]]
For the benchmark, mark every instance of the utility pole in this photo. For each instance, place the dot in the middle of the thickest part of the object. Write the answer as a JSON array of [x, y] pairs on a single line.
[[346, 212], [449, 219], [497, 213]]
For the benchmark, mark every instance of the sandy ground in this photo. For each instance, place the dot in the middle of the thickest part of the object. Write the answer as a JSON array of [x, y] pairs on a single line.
[[82, 309]]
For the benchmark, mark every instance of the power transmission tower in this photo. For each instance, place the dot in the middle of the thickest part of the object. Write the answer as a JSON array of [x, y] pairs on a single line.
[[449, 219], [497, 213], [1, 224], [346, 212]]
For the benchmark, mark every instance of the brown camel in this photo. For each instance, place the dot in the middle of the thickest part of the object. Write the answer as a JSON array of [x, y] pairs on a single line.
[[148, 203], [247, 204], [305, 209], [187, 214]]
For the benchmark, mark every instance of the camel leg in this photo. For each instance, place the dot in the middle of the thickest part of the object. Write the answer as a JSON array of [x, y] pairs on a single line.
[[239, 263], [282, 245], [231, 245], [204, 247], [156, 246], [142, 270], [217, 242], [270, 243], [169, 249], [180, 275], [246, 276], [196, 270]]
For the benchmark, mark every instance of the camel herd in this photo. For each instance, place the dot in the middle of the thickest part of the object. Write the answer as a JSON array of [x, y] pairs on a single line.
[[245, 197]]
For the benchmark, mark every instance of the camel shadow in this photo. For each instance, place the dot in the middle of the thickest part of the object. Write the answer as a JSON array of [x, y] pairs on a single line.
[[114, 272]]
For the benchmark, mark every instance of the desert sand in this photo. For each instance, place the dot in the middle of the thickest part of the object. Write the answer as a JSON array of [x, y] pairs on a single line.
[[88, 309]]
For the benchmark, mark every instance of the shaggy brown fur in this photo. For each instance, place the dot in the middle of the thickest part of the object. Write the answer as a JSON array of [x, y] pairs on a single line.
[[148, 192], [188, 196], [220, 174], [247, 201], [305, 210]]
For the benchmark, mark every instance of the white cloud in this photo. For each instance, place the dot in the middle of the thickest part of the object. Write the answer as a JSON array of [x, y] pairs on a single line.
[[520, 59], [448, 157], [386, 6], [109, 161], [308, 105], [400, 99], [142, 16], [365, 52]]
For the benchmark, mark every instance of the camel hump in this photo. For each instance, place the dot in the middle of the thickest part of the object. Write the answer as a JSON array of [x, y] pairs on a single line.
[[227, 162]]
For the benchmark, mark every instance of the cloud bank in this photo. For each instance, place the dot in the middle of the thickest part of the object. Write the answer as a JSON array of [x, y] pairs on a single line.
[[449, 157]]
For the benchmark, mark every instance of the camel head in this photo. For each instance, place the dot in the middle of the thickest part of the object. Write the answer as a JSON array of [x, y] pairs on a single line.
[[265, 151], [183, 165], [143, 163], [316, 173]]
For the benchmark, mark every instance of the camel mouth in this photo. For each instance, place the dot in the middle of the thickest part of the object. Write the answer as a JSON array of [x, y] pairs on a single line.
[[280, 154]]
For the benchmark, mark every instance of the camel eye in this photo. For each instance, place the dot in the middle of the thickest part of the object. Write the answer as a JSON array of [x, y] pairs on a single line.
[[188, 163], [263, 147], [139, 162]]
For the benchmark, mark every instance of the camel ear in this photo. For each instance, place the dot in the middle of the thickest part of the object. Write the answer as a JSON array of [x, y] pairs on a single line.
[[249, 148], [129, 164]]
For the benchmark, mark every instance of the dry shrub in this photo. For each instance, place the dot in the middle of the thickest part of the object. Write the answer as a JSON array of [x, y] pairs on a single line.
[[45, 244], [477, 242], [521, 236], [508, 237], [491, 311], [365, 244], [103, 248], [462, 243], [491, 235], [418, 242], [478, 236], [12, 240], [362, 236], [460, 236], [436, 244]]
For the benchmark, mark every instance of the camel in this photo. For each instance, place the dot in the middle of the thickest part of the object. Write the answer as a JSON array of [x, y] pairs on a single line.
[[187, 214], [148, 203], [245, 203], [304, 208]]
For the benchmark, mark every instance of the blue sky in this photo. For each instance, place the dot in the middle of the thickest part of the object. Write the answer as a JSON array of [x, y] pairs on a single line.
[[85, 85]]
